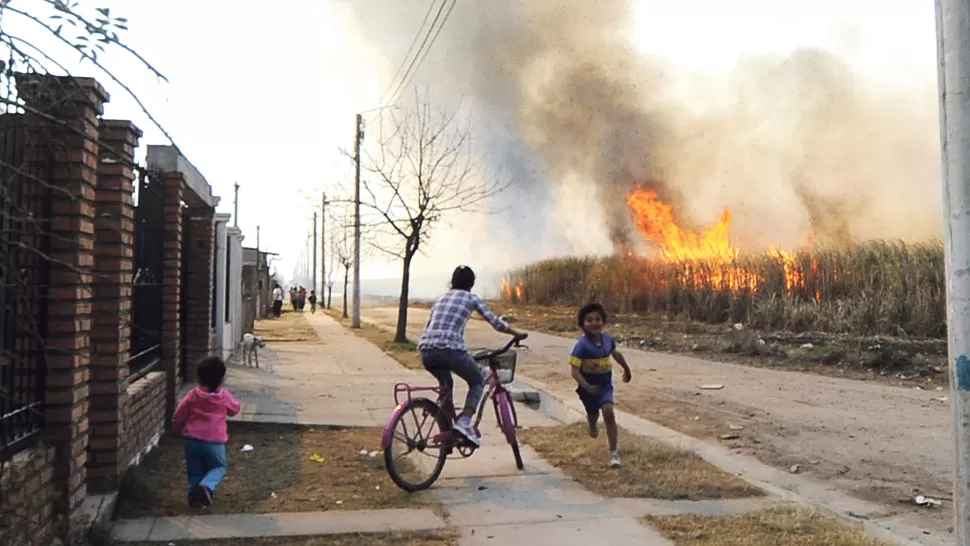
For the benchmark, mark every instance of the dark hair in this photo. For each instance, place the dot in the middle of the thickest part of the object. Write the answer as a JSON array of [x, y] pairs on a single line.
[[463, 278], [591, 308], [210, 372]]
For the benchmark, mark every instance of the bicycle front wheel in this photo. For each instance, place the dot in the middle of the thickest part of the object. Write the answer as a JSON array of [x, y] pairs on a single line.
[[419, 446], [507, 421]]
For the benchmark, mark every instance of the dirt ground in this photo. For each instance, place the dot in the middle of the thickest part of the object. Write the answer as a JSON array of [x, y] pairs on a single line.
[[289, 328], [650, 469], [289, 469], [783, 525], [877, 440], [899, 361]]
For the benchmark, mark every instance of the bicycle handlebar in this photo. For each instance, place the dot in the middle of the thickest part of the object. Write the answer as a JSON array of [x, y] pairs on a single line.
[[514, 342]]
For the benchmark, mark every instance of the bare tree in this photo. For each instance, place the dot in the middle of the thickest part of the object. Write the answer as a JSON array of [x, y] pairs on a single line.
[[424, 169]]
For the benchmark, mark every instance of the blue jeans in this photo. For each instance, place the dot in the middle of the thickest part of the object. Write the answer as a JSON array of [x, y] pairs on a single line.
[[442, 362], [206, 463]]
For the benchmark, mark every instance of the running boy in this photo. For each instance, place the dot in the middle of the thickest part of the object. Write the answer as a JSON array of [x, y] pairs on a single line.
[[201, 419], [592, 369]]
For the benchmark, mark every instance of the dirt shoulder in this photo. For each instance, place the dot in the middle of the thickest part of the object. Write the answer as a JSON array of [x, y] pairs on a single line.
[[870, 439]]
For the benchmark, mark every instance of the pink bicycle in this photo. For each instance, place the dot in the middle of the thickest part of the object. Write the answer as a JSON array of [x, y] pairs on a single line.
[[423, 427]]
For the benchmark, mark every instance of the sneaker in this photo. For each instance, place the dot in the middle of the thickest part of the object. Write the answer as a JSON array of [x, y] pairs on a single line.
[[615, 461], [463, 426], [202, 496]]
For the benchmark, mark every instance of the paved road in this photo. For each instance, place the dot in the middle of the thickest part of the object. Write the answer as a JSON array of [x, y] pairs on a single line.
[[871, 440]]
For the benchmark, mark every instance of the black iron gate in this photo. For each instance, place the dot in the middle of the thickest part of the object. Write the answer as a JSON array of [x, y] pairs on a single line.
[[147, 282], [24, 271]]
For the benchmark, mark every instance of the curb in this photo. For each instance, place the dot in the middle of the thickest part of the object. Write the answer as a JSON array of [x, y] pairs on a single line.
[[776, 482]]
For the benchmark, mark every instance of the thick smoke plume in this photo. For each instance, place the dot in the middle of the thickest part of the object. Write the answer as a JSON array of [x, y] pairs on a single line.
[[797, 146]]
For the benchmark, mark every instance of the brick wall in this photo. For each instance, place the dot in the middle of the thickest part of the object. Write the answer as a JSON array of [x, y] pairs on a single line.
[[77, 103], [27, 497], [173, 185], [199, 246], [144, 415], [111, 331]]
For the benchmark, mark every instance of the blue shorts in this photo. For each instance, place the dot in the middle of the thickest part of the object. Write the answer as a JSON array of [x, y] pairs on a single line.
[[593, 402]]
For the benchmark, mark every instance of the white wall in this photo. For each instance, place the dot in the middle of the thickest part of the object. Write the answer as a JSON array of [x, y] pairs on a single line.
[[219, 263], [232, 288]]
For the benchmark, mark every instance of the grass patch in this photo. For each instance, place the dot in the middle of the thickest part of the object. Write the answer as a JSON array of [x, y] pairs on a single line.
[[405, 353], [278, 475], [650, 469], [783, 525], [411, 538], [291, 327]]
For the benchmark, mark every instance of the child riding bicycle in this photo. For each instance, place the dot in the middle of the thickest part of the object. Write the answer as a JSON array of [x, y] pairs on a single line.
[[443, 350]]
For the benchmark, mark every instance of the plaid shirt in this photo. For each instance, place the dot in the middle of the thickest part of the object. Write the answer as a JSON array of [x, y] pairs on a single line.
[[449, 316]]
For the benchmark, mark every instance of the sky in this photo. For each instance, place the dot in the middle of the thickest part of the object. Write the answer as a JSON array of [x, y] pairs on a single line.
[[264, 94]]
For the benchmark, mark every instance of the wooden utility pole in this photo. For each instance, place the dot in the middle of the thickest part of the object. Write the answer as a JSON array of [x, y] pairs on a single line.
[[355, 323], [323, 246], [313, 286]]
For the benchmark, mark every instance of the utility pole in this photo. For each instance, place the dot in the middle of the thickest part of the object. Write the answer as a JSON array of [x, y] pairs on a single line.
[[313, 286], [259, 279], [323, 246], [360, 137], [235, 205], [953, 58]]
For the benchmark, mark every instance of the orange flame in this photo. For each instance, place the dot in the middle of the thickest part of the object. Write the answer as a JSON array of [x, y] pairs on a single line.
[[514, 294], [710, 247]]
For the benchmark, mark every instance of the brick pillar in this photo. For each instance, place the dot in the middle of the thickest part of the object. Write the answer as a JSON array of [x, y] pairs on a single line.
[[173, 184], [111, 333], [76, 103], [201, 247]]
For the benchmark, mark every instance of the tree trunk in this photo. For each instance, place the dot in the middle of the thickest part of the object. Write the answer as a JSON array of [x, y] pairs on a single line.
[[346, 280], [329, 295], [401, 335]]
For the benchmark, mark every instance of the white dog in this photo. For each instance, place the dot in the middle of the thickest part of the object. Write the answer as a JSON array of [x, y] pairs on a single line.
[[250, 346]]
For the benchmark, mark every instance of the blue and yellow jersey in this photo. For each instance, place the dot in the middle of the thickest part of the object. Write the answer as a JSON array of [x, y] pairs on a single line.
[[594, 358]]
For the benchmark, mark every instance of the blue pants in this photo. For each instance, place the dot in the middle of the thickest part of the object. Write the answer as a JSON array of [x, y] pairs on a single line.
[[206, 463], [442, 362]]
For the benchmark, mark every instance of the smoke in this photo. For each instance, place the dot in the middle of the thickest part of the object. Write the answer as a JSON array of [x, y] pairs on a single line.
[[795, 146]]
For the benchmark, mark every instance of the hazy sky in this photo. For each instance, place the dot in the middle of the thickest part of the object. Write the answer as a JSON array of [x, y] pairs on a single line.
[[264, 93]]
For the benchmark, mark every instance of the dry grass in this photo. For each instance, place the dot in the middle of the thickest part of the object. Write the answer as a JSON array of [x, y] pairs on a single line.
[[412, 538], [291, 327], [405, 353], [783, 525], [650, 469], [872, 288], [279, 475]]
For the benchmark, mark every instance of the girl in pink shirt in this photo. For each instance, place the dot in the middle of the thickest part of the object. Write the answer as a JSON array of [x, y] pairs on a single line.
[[201, 419]]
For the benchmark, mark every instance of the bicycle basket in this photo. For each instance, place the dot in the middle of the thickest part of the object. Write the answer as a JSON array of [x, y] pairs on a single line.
[[505, 367]]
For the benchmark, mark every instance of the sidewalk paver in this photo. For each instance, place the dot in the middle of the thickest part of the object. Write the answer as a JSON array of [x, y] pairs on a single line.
[[270, 525]]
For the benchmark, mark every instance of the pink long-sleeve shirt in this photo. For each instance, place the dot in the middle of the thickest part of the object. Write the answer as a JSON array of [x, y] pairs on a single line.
[[202, 415]]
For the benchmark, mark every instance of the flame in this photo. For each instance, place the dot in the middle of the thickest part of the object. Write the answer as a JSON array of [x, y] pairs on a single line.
[[710, 245], [514, 294], [707, 255]]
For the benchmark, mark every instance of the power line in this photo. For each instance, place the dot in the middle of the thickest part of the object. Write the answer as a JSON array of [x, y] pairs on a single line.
[[410, 48], [416, 63]]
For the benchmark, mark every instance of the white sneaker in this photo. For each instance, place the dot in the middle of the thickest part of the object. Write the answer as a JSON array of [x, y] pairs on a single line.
[[615, 461], [464, 427]]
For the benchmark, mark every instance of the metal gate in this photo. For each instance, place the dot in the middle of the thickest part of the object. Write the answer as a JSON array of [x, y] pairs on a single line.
[[24, 270], [147, 282]]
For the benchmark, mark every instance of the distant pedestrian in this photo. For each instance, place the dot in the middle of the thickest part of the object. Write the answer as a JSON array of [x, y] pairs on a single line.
[[592, 368], [313, 301], [201, 419], [301, 295], [277, 301]]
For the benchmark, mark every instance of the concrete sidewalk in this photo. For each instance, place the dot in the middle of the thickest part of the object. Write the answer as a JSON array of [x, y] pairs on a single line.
[[347, 381]]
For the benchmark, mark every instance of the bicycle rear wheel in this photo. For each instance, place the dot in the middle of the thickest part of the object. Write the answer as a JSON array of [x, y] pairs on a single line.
[[507, 421], [414, 433]]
